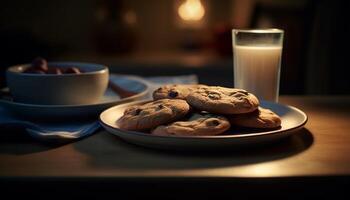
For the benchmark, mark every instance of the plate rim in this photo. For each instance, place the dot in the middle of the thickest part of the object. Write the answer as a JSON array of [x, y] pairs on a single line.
[[204, 137], [127, 99]]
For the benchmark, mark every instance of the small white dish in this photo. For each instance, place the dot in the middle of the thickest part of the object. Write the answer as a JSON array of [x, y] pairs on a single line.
[[133, 84], [292, 120]]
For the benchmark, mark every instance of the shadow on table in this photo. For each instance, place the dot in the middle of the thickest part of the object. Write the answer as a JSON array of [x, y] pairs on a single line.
[[15, 141], [110, 153]]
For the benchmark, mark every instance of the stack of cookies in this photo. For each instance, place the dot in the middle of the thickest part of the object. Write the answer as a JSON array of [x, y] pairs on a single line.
[[197, 110]]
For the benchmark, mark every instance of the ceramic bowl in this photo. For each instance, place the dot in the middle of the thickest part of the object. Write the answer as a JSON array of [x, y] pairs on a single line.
[[58, 89]]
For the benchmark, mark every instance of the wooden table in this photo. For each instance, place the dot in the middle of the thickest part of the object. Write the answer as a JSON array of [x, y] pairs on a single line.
[[316, 160]]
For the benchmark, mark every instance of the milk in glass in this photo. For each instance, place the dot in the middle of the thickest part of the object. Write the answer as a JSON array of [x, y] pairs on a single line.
[[257, 70]]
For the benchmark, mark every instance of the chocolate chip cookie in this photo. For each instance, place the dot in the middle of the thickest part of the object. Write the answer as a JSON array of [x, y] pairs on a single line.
[[153, 114], [221, 100], [197, 125], [179, 91], [260, 118]]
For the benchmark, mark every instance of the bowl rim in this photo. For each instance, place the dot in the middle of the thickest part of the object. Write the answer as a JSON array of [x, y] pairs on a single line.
[[110, 103], [103, 69]]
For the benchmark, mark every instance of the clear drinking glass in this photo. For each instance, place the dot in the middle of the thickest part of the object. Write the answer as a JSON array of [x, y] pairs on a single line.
[[257, 56]]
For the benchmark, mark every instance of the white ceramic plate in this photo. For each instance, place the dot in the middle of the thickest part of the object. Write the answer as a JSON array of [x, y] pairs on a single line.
[[292, 120], [110, 98]]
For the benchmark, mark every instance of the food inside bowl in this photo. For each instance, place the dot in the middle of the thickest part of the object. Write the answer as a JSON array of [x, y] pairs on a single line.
[[40, 66], [49, 82]]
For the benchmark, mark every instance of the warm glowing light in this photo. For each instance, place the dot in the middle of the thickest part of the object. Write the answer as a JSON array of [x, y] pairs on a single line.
[[191, 10], [130, 17]]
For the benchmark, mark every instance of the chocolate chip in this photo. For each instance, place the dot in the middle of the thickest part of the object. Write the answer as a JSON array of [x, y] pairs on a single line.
[[213, 122], [173, 94], [160, 106], [137, 111]]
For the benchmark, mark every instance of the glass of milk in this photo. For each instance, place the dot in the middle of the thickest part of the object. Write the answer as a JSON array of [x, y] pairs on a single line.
[[257, 61]]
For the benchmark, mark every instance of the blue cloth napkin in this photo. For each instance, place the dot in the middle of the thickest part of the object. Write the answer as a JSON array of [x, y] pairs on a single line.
[[67, 131], [51, 131]]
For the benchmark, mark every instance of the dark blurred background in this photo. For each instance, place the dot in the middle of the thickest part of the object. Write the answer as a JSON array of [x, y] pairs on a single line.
[[175, 37]]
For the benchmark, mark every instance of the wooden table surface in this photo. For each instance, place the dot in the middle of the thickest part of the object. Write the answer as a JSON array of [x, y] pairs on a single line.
[[321, 149]]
